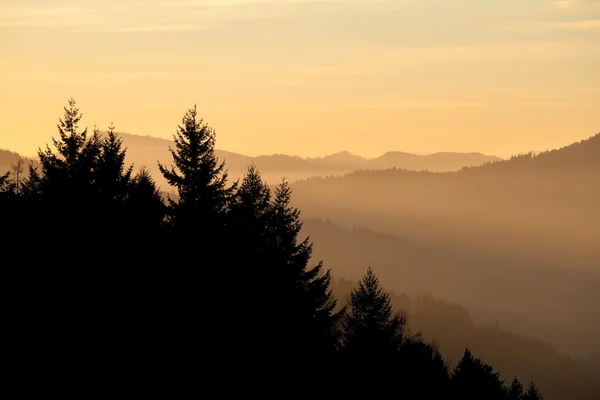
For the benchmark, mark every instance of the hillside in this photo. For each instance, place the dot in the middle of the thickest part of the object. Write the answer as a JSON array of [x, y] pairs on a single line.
[[146, 151], [453, 328], [8, 160], [509, 229]]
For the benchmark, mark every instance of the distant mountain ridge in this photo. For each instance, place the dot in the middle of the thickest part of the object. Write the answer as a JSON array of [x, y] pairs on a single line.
[[148, 150]]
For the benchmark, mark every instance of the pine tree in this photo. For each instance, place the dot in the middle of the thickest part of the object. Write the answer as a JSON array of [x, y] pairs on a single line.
[[515, 392], [66, 178], [474, 379], [200, 180], [421, 368], [112, 176], [370, 325], [196, 227], [533, 393], [250, 210], [145, 207]]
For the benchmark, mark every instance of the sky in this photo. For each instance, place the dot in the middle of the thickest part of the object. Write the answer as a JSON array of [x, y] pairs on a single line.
[[308, 77]]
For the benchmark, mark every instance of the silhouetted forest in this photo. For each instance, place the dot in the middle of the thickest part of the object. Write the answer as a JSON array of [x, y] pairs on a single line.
[[108, 266]]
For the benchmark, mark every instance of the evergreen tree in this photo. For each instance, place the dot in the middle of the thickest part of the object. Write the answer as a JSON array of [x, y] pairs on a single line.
[[421, 368], [71, 166], [200, 180], [515, 392], [64, 184], [473, 379], [304, 291], [533, 393], [370, 325], [112, 176], [145, 207], [196, 228], [250, 213]]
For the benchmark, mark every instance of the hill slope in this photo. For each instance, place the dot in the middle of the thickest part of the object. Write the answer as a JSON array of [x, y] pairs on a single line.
[[498, 234]]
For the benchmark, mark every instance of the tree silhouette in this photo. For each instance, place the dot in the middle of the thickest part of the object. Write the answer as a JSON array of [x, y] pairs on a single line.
[[250, 212], [532, 393], [474, 379], [200, 180], [515, 392], [112, 176], [145, 207], [196, 226], [370, 325], [65, 180], [17, 177], [303, 290]]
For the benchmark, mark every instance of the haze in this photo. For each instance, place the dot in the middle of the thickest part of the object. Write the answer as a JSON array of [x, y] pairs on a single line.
[[309, 77], [413, 180]]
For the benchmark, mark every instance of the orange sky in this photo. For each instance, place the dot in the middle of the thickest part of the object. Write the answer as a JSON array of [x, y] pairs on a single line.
[[308, 77]]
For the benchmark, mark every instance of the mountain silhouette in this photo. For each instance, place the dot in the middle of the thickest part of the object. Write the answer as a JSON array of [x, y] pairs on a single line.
[[509, 228], [147, 150]]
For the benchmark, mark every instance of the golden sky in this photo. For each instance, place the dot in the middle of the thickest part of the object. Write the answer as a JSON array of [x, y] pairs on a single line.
[[308, 77]]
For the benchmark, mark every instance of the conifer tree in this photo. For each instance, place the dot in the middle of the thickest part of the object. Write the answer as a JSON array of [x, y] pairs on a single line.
[[250, 211], [515, 392], [421, 368], [66, 178], [112, 176], [304, 291], [532, 393], [472, 379], [145, 207], [370, 324], [200, 180], [196, 226]]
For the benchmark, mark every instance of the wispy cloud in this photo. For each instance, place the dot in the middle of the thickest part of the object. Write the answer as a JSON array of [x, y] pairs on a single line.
[[410, 104], [584, 25], [577, 5], [552, 104], [159, 28], [79, 77]]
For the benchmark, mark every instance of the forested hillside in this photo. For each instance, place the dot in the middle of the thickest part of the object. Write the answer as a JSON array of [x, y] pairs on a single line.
[[225, 272]]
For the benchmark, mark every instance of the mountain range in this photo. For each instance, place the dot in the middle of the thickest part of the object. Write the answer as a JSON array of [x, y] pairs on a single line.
[[146, 151]]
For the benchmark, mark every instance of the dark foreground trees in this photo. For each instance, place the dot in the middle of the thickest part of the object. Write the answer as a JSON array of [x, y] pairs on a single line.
[[216, 276]]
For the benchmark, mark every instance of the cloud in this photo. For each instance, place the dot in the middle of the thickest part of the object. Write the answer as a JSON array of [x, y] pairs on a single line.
[[584, 25], [158, 28], [409, 104], [552, 104], [577, 5], [564, 4], [79, 77]]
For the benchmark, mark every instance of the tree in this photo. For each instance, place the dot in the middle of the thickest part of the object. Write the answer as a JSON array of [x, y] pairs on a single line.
[[533, 393], [515, 392], [200, 180], [474, 379], [421, 368], [17, 171], [196, 225], [112, 176], [304, 291], [66, 178], [250, 213], [144, 204], [370, 325]]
